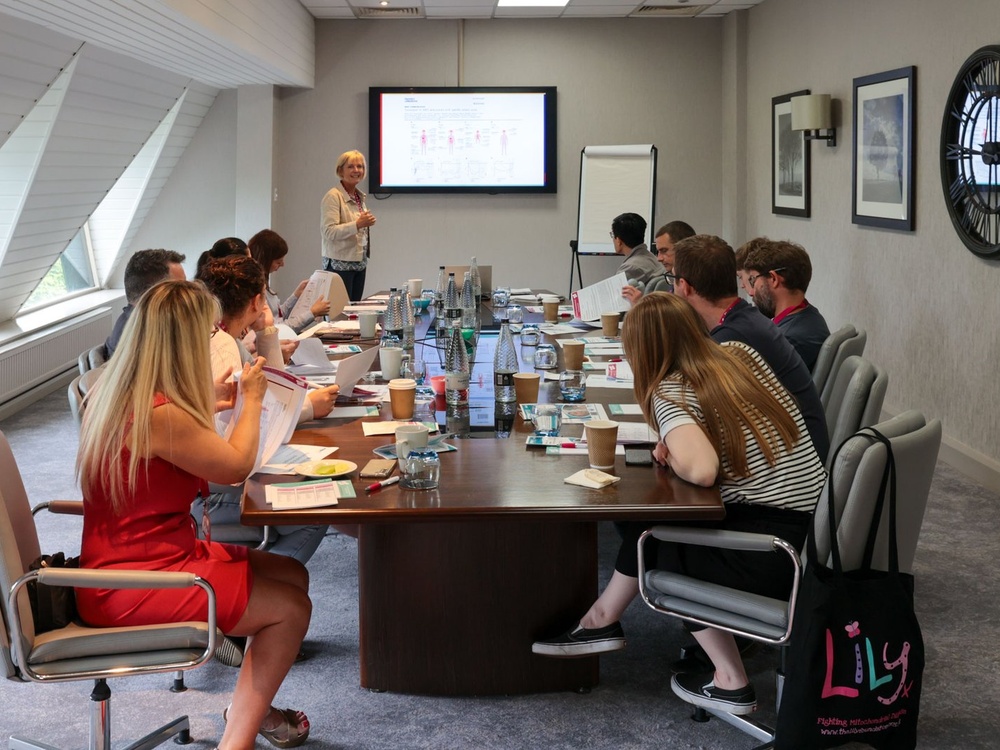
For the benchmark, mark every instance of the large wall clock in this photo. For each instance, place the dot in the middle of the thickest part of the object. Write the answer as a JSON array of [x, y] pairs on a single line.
[[970, 152]]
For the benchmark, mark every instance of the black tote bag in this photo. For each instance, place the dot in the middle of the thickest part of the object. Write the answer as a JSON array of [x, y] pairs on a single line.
[[856, 656]]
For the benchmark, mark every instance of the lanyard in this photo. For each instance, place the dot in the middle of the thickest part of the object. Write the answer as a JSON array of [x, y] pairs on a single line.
[[789, 310]]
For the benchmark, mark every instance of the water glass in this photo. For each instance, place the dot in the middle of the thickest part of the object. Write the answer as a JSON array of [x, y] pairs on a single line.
[[515, 316], [573, 386], [530, 335], [423, 402], [545, 357], [413, 368], [421, 469], [501, 296], [547, 419]]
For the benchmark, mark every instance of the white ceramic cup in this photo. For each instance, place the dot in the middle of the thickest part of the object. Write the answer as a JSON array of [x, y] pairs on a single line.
[[367, 320], [415, 286], [390, 357], [409, 437]]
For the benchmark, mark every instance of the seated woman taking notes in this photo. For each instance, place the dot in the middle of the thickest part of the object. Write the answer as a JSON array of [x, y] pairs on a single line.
[[724, 418], [147, 447]]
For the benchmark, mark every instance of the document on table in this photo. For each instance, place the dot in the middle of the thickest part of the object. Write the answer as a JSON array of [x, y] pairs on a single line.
[[593, 301], [300, 495], [352, 412], [601, 380], [389, 428], [636, 432], [620, 371], [604, 350], [352, 369], [311, 353], [287, 457], [364, 307], [557, 329], [624, 409]]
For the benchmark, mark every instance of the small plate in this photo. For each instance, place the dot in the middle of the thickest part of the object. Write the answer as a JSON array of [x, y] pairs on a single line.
[[326, 469]]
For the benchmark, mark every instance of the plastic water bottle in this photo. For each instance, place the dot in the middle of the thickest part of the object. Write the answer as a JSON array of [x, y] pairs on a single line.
[[504, 366], [456, 369], [406, 302], [452, 306], [439, 290], [477, 282], [393, 321], [470, 303]]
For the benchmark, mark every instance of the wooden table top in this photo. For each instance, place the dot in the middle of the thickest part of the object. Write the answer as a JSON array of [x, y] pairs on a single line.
[[491, 478]]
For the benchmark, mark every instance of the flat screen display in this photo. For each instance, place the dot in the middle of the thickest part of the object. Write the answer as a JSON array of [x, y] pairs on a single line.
[[462, 140]]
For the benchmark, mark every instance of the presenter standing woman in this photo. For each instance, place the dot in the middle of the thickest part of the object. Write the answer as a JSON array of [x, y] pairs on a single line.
[[147, 447], [346, 222]]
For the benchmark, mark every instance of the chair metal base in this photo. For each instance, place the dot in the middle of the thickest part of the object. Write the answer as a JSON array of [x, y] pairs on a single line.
[[100, 728]]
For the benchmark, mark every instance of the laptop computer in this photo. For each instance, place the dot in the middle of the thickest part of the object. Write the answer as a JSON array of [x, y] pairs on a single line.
[[485, 277]]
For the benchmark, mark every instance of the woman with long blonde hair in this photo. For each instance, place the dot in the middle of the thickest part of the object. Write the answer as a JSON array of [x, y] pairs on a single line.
[[723, 418], [147, 448]]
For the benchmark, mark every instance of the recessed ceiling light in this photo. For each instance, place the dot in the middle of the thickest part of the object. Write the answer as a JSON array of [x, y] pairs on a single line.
[[532, 3]]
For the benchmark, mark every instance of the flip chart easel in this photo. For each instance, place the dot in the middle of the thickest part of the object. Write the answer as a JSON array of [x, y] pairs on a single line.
[[613, 180]]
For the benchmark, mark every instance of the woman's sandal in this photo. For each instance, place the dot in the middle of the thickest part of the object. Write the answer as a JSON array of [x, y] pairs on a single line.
[[289, 733]]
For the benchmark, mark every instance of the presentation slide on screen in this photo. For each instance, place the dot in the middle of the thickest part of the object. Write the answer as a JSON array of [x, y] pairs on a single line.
[[463, 139]]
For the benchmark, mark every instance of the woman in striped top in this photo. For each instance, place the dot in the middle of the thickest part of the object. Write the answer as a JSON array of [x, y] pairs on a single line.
[[724, 418]]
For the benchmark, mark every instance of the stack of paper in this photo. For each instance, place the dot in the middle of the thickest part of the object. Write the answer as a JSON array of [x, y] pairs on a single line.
[[300, 495]]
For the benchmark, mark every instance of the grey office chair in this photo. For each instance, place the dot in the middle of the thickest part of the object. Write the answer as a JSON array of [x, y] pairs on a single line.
[[79, 652], [78, 389], [855, 401], [92, 358], [840, 345], [856, 475]]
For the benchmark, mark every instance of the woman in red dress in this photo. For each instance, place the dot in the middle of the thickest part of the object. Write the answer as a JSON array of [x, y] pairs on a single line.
[[147, 448]]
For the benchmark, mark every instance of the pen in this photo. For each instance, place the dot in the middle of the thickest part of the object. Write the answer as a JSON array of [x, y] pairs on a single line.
[[379, 485], [571, 445]]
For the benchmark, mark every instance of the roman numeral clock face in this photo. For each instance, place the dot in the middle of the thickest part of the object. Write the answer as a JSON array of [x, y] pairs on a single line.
[[970, 153]]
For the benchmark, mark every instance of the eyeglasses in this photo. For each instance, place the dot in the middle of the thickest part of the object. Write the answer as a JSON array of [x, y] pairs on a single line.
[[752, 278], [671, 278], [611, 234]]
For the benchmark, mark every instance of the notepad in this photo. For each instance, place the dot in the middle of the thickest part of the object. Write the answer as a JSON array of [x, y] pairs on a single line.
[[301, 495]]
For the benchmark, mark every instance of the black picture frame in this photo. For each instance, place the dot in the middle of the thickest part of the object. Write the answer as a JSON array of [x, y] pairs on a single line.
[[790, 163], [883, 126]]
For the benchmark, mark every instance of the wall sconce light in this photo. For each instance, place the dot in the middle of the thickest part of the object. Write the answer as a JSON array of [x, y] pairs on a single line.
[[811, 113]]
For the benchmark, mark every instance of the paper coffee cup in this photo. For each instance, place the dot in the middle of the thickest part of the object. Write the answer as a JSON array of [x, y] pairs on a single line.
[[602, 436], [367, 321], [551, 310], [573, 355], [609, 323], [526, 387], [402, 393]]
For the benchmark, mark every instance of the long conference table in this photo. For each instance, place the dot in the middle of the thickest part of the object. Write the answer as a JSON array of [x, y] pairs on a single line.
[[456, 583]]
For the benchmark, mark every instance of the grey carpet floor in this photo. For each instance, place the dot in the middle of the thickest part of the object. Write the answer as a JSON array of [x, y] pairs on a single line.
[[633, 707]]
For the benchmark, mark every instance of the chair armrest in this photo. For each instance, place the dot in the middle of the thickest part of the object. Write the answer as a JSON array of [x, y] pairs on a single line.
[[62, 507], [109, 578], [737, 540]]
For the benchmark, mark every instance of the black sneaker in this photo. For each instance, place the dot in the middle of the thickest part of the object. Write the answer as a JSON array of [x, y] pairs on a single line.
[[700, 690], [582, 642], [696, 660]]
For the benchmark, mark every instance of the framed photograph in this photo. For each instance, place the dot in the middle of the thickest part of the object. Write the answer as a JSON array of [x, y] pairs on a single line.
[[883, 129], [789, 160]]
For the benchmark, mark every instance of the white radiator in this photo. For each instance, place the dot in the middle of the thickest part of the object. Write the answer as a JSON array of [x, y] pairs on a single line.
[[32, 360]]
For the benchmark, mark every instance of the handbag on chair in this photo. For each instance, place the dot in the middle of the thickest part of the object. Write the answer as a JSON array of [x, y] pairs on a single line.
[[856, 655]]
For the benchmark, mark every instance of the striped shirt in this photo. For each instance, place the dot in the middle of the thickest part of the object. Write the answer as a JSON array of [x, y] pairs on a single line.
[[797, 477]]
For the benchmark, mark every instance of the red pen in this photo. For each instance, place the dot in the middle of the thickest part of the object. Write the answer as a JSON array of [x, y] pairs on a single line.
[[379, 485]]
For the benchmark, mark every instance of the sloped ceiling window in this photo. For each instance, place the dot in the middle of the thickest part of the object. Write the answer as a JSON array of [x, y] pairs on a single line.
[[71, 274]]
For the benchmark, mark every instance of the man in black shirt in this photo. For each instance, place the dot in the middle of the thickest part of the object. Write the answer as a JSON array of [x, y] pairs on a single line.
[[705, 273], [144, 269]]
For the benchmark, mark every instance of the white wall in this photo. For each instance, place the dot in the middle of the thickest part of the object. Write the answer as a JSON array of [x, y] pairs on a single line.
[[929, 305], [618, 81], [198, 204]]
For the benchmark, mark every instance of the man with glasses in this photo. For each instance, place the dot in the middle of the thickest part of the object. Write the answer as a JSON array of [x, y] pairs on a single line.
[[666, 237], [627, 234], [705, 273], [778, 274]]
